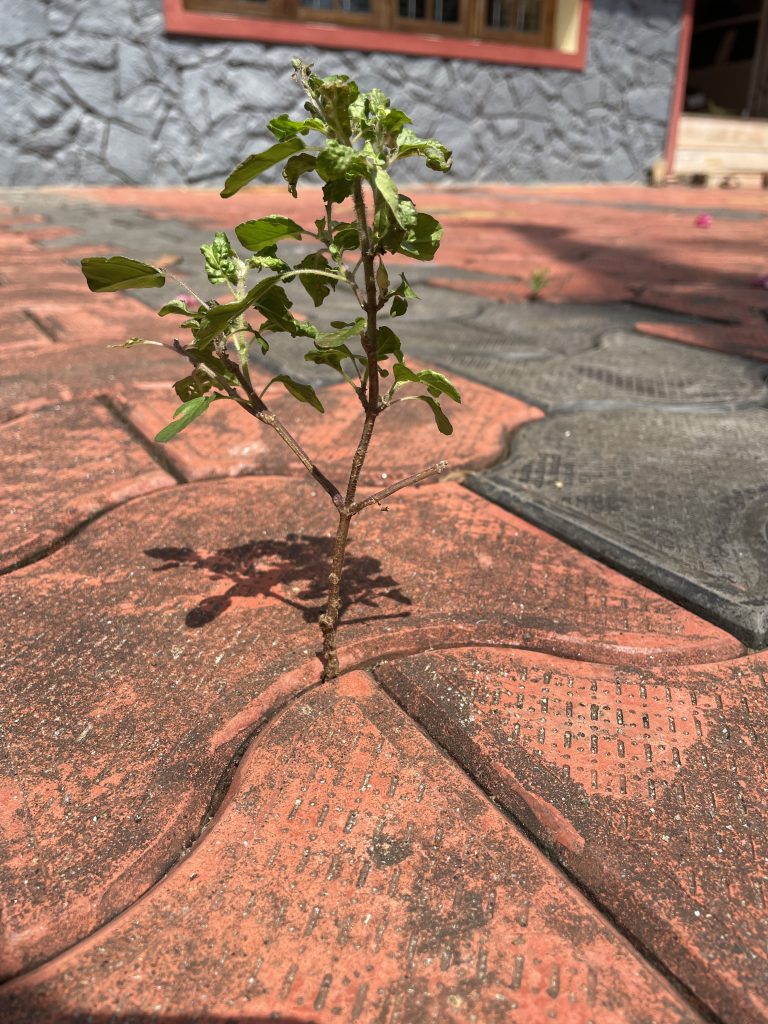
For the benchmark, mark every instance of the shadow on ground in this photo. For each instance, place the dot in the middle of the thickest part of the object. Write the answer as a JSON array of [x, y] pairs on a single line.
[[269, 568]]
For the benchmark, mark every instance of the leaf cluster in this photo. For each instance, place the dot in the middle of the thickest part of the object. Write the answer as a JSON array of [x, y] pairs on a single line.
[[348, 143]]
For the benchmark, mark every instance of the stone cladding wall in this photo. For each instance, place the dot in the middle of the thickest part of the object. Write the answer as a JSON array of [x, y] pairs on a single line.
[[96, 93]]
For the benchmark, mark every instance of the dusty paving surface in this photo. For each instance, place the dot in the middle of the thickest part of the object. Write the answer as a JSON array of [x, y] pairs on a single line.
[[538, 791]]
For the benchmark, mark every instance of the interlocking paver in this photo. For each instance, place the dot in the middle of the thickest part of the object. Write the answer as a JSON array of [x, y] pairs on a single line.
[[178, 620], [677, 498], [60, 467], [229, 443], [355, 874], [649, 786]]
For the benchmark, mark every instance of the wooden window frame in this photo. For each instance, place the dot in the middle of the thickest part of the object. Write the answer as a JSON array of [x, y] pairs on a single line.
[[237, 19]]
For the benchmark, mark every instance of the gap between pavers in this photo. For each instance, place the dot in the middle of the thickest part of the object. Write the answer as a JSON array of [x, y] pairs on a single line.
[[647, 785], [354, 873], [177, 618]]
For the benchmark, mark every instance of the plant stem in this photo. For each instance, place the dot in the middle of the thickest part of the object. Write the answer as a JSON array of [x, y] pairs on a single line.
[[329, 620]]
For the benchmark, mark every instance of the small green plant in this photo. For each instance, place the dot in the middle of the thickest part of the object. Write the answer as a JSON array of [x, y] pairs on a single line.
[[537, 282], [350, 141]]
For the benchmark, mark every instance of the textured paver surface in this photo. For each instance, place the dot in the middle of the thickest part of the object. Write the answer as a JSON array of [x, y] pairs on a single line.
[[626, 485], [649, 786], [193, 827]]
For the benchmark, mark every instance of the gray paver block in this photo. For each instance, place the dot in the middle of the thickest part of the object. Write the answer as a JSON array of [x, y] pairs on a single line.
[[678, 500]]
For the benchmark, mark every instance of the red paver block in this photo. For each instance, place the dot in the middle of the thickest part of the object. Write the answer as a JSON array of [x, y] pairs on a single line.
[[184, 617], [63, 373], [355, 874], [228, 442], [746, 340], [649, 785], [60, 467]]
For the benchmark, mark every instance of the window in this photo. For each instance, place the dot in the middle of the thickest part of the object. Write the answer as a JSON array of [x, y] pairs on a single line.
[[538, 33], [528, 22]]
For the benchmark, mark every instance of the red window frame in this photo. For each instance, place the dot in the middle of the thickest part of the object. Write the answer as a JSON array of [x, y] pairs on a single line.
[[180, 21]]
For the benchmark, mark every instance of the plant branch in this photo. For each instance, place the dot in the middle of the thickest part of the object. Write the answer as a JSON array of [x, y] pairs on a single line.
[[415, 478]]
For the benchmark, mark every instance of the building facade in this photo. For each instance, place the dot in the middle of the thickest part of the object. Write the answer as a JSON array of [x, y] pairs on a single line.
[[178, 91]]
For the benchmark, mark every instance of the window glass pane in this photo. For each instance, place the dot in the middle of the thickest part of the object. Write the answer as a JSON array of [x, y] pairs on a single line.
[[515, 15], [318, 5], [446, 10], [412, 8], [356, 6]]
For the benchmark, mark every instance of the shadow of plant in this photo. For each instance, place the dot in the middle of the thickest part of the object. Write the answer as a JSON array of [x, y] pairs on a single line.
[[270, 567]]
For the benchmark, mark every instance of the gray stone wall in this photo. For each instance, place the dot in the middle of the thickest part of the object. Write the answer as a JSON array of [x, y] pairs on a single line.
[[95, 93]]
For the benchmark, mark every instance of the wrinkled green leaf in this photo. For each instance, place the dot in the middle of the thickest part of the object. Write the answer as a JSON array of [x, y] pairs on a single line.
[[253, 165], [345, 239], [301, 163], [268, 259], [318, 288], [332, 339], [185, 414], [302, 392], [284, 127], [275, 306], [437, 156], [337, 191], [423, 240], [339, 161], [443, 423], [266, 231], [118, 273], [196, 384], [221, 262], [402, 294]]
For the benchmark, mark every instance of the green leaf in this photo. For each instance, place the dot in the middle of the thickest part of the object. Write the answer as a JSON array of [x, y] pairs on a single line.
[[389, 192], [404, 374], [266, 231], [302, 392], [382, 279], [117, 273], [345, 239], [339, 161], [438, 384], [337, 191], [196, 384], [329, 356], [131, 342], [217, 319], [301, 163], [442, 421], [423, 240], [178, 306], [437, 156], [275, 306], [221, 262], [402, 294], [335, 95], [253, 165], [284, 127], [318, 288], [388, 344], [333, 339], [185, 414], [268, 259]]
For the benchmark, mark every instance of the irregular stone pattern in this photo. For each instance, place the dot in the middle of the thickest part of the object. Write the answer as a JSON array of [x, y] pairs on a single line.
[[182, 618], [96, 468], [649, 786], [101, 94], [623, 369], [369, 880], [627, 486]]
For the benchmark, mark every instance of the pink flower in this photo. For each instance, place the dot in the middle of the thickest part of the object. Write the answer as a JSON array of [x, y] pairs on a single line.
[[704, 220], [189, 300], [760, 282]]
